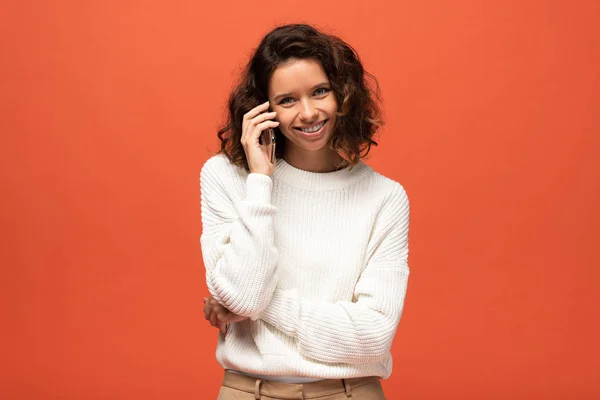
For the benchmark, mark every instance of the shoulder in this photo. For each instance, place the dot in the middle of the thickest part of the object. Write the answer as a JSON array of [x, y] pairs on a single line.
[[219, 163], [388, 189], [219, 173], [389, 199], [220, 167]]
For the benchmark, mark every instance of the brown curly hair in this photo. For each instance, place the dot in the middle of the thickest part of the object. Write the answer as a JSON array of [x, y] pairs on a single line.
[[358, 116]]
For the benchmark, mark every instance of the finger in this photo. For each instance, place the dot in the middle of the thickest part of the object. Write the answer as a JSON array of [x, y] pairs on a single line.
[[256, 110], [253, 135], [257, 120], [235, 318], [206, 306], [220, 312], [205, 299], [211, 312], [216, 308], [213, 318], [263, 117], [223, 328], [231, 318], [223, 317], [249, 126]]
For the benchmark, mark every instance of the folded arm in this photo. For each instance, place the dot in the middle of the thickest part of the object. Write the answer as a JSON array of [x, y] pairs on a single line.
[[238, 241], [361, 330]]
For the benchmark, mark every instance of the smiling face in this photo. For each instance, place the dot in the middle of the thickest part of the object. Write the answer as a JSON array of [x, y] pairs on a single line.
[[300, 93]]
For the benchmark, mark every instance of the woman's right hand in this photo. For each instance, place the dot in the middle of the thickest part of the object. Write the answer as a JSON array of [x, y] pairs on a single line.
[[255, 122], [219, 316]]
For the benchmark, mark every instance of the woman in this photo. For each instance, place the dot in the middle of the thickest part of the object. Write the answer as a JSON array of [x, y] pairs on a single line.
[[305, 255]]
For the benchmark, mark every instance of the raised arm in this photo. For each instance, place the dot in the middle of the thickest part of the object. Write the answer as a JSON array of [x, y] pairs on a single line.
[[361, 330], [238, 239]]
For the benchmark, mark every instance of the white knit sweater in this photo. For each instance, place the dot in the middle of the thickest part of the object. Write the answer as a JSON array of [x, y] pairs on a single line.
[[317, 261]]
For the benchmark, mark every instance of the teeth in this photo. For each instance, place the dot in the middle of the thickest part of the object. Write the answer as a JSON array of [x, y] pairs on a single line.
[[313, 129]]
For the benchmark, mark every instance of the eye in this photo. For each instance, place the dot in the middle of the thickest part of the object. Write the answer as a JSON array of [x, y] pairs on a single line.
[[287, 100], [322, 91]]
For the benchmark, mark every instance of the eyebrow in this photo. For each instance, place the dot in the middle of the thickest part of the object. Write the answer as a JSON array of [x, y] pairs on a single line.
[[289, 94]]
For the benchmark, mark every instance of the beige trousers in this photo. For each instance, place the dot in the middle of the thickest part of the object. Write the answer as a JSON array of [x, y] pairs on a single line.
[[241, 387]]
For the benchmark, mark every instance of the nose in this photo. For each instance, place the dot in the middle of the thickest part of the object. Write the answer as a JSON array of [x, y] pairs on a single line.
[[308, 111]]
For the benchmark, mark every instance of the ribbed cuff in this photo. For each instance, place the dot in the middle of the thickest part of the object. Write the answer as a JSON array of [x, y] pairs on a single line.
[[258, 188]]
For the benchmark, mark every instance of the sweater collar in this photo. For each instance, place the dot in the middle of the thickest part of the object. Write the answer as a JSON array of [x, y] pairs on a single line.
[[318, 181]]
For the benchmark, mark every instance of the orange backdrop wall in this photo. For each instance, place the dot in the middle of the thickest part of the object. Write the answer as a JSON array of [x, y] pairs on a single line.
[[108, 110]]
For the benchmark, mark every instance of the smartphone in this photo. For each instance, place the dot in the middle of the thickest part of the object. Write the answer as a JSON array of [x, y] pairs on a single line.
[[268, 139], [271, 134]]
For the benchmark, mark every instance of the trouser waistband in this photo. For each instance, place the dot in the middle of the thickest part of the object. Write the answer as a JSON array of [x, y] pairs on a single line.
[[293, 391]]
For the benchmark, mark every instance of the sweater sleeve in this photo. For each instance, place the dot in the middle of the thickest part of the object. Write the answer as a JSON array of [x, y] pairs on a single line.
[[361, 330], [237, 240]]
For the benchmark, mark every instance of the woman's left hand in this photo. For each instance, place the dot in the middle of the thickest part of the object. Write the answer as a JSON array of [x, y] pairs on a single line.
[[219, 316]]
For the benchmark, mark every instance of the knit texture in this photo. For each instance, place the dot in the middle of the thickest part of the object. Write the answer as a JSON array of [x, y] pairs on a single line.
[[316, 261]]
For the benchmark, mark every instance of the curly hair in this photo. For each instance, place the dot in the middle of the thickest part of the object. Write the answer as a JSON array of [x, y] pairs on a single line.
[[357, 92]]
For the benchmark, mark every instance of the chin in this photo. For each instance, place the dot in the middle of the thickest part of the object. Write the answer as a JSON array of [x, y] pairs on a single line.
[[311, 145]]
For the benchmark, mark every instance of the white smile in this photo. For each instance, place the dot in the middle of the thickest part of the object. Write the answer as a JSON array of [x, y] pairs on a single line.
[[313, 128]]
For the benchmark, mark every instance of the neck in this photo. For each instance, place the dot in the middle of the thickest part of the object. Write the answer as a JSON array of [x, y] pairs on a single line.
[[314, 161]]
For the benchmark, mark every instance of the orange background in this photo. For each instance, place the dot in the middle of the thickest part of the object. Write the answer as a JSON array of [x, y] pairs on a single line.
[[108, 110]]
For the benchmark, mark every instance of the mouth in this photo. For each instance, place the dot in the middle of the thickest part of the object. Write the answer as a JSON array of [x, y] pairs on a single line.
[[313, 130]]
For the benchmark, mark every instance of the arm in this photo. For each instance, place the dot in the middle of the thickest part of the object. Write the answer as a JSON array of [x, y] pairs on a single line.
[[362, 330], [238, 241]]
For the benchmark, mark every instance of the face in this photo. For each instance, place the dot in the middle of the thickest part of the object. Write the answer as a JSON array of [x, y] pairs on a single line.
[[300, 93]]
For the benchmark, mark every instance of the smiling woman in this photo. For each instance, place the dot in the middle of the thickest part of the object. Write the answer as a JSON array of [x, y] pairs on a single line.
[[305, 255], [306, 74], [306, 109]]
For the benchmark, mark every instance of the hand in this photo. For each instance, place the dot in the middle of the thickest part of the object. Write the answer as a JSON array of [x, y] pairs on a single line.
[[218, 315], [255, 122]]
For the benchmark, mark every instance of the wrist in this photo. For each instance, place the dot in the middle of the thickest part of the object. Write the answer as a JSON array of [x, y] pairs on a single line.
[[258, 188]]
